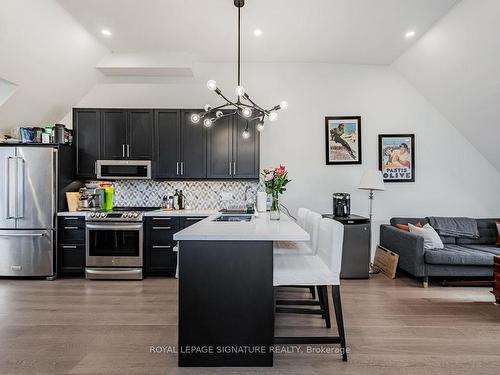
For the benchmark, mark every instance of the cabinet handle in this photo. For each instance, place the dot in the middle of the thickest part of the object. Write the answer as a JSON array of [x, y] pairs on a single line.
[[128, 150], [70, 218], [177, 168], [69, 247], [182, 168], [71, 228], [234, 167], [194, 218], [162, 218], [162, 228], [123, 150], [230, 168], [161, 247]]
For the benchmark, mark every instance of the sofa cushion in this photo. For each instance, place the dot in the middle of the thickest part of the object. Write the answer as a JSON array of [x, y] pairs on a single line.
[[487, 233], [498, 232], [415, 220], [431, 238], [406, 227], [410, 220], [462, 255]]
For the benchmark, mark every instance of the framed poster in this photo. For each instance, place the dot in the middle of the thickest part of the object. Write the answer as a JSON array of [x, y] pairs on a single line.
[[343, 139], [396, 157]]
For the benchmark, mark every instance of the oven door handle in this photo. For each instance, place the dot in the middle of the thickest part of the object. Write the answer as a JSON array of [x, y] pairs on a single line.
[[114, 226]]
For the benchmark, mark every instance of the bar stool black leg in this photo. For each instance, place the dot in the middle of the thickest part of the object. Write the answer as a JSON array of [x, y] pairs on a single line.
[[321, 303], [337, 304], [323, 292]]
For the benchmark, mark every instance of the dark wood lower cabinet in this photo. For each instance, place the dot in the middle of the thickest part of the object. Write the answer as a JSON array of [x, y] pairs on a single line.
[[160, 259], [71, 245]]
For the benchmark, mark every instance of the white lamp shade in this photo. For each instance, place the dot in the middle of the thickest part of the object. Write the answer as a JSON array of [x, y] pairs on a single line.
[[372, 180]]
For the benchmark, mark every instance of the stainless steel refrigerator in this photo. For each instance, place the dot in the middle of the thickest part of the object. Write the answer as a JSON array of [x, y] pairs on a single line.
[[29, 198]]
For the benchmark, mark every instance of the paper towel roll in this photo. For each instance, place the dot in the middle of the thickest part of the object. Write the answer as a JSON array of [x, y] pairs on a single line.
[[261, 201]]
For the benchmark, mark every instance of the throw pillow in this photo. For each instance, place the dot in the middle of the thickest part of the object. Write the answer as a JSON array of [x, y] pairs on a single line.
[[406, 228], [431, 238], [498, 232]]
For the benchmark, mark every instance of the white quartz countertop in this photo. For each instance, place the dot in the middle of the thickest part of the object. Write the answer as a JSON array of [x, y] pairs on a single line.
[[192, 213], [196, 213], [72, 213], [261, 228]]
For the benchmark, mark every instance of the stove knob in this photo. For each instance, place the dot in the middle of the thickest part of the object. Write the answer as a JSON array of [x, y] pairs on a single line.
[[125, 215], [103, 215], [135, 214], [92, 214]]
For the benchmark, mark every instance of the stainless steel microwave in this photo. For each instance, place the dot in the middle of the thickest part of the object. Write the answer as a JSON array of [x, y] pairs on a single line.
[[123, 169]]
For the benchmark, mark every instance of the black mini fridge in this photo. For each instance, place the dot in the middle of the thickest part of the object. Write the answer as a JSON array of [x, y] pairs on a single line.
[[356, 250]]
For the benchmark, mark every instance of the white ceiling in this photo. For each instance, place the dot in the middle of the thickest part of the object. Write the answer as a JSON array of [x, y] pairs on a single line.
[[336, 31]]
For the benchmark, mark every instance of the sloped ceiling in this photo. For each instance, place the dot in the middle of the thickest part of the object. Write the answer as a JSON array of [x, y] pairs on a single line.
[[49, 56], [456, 66]]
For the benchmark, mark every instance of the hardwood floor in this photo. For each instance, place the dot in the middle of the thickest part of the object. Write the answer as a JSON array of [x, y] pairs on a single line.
[[73, 326]]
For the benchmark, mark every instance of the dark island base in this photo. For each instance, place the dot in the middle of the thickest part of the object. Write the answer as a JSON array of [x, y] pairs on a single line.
[[226, 303]]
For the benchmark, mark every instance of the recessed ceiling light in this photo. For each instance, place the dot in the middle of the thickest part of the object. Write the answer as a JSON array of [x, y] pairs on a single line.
[[257, 32], [106, 32], [410, 34]]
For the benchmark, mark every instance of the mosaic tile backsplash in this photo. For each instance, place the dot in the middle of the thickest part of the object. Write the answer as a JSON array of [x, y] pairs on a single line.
[[201, 195]]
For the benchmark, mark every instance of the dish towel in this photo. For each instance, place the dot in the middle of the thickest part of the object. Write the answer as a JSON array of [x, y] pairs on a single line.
[[464, 227]]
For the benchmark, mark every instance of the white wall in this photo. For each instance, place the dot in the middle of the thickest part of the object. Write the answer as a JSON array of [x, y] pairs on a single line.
[[452, 178], [456, 65], [49, 56]]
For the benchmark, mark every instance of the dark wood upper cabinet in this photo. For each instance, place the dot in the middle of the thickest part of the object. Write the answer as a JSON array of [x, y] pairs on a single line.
[[113, 134], [140, 135], [86, 126], [167, 143], [229, 155], [245, 150], [193, 147], [220, 149], [178, 148]]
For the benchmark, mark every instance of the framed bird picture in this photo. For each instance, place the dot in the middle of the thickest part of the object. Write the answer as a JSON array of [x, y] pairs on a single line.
[[343, 139]]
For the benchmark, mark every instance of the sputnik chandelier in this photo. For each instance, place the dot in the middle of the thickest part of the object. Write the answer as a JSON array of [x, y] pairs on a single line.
[[244, 106]]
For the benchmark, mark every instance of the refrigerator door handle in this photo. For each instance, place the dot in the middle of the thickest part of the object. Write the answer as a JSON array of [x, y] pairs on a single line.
[[20, 188], [9, 202], [22, 234]]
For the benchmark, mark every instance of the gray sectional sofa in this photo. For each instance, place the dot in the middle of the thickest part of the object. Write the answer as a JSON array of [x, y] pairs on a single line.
[[461, 257]]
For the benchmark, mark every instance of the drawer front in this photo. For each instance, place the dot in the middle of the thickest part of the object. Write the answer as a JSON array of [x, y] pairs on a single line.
[[187, 221], [72, 221], [164, 221], [162, 234], [163, 260], [71, 234], [72, 258]]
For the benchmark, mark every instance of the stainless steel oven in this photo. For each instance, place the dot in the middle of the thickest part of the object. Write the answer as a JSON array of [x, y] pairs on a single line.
[[114, 245]]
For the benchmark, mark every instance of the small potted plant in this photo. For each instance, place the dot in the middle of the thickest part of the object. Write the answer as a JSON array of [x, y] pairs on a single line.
[[275, 180]]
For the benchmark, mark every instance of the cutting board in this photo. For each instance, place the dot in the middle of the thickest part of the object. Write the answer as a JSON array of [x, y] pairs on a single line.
[[72, 198]]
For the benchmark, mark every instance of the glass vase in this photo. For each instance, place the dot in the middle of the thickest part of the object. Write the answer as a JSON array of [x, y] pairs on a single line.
[[275, 206]]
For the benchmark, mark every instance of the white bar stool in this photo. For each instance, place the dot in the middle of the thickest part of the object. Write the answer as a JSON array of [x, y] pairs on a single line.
[[318, 270]]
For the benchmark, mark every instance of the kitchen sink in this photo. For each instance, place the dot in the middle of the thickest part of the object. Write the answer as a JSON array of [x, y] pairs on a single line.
[[234, 218]]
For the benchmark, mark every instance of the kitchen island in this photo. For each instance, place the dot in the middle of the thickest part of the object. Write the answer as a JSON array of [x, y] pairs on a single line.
[[226, 295]]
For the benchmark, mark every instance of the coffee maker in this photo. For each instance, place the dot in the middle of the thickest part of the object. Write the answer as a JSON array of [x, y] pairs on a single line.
[[91, 199], [341, 204]]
